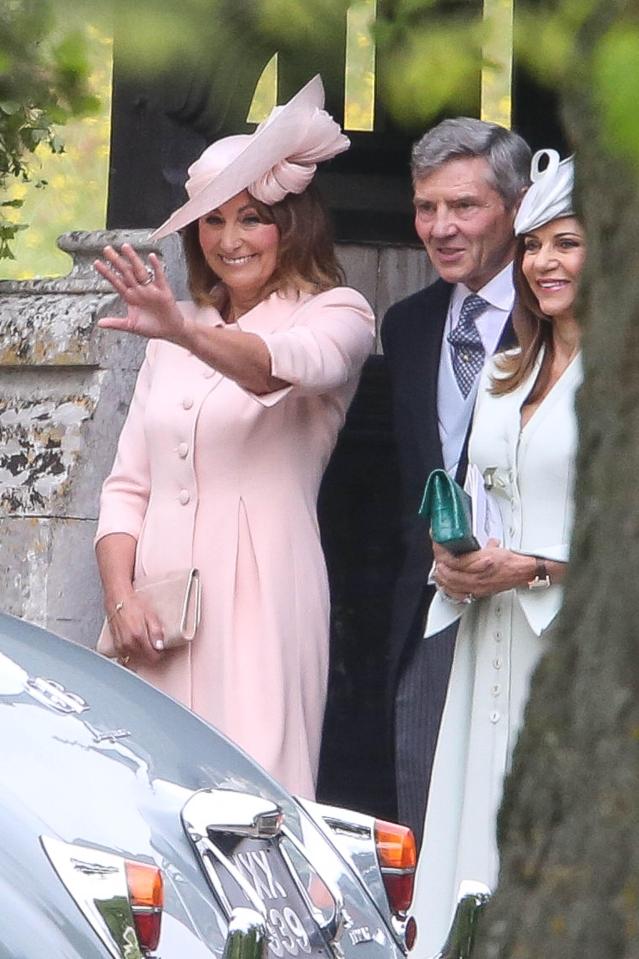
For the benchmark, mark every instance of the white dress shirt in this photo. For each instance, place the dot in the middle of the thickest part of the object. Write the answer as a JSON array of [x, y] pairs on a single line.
[[454, 410]]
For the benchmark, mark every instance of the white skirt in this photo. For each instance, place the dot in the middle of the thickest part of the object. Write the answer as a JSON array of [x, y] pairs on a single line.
[[495, 654]]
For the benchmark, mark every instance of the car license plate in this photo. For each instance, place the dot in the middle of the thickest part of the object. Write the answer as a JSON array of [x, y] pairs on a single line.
[[292, 929]]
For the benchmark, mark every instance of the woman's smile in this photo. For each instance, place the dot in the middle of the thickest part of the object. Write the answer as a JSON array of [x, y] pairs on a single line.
[[553, 260], [241, 248], [552, 286], [237, 260]]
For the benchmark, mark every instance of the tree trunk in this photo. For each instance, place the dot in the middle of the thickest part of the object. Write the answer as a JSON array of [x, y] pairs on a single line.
[[569, 824]]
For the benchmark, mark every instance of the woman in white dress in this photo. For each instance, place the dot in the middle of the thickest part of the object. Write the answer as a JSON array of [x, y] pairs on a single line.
[[508, 593]]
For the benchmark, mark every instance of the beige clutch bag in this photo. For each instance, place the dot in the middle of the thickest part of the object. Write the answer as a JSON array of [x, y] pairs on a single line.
[[175, 598]]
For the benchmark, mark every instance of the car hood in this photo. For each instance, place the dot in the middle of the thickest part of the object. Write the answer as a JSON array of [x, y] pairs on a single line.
[[93, 755]]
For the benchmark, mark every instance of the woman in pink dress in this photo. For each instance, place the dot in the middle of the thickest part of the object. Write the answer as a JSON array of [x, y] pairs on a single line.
[[235, 414]]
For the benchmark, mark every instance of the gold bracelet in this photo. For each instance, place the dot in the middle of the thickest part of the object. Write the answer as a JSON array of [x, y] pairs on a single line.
[[118, 607]]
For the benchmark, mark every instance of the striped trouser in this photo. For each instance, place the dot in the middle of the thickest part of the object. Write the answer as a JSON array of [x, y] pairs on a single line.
[[419, 703]]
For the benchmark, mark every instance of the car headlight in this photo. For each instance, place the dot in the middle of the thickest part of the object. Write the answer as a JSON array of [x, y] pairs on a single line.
[[121, 898]]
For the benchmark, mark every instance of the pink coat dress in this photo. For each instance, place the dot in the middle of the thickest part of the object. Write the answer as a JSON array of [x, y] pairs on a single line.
[[210, 475]]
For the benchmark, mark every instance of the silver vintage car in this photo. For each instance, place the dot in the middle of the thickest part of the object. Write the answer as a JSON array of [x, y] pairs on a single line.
[[130, 828]]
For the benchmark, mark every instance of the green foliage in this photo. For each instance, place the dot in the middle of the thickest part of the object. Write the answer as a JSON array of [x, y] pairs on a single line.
[[547, 43], [43, 82], [75, 195], [429, 58], [545, 39], [439, 63], [155, 36], [616, 85], [293, 22]]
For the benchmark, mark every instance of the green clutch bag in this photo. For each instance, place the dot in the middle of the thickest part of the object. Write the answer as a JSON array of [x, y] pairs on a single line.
[[447, 509]]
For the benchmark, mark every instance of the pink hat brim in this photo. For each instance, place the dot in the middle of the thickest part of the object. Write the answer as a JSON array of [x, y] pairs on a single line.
[[266, 147]]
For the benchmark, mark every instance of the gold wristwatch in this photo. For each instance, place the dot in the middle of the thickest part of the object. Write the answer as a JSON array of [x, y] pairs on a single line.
[[542, 576]]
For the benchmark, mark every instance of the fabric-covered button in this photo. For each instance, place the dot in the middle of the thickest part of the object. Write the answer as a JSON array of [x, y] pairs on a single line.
[[183, 450], [498, 637], [496, 689], [497, 662], [494, 716], [184, 497], [187, 402]]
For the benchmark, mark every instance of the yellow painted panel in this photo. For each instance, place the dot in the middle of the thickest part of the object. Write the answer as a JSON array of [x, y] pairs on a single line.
[[496, 75], [359, 89]]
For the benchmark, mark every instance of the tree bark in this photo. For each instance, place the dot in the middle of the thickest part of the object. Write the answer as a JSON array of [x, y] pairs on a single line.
[[569, 823]]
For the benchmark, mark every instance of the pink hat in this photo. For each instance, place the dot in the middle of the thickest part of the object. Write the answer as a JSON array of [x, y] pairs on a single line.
[[280, 157]]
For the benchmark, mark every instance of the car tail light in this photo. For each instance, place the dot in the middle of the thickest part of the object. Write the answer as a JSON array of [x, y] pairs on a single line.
[[397, 855], [410, 933], [146, 895], [122, 899]]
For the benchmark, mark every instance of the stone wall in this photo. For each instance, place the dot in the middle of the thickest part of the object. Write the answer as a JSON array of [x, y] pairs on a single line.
[[64, 391]]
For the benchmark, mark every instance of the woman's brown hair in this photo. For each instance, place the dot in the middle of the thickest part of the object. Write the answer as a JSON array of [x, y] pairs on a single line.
[[306, 258], [534, 333]]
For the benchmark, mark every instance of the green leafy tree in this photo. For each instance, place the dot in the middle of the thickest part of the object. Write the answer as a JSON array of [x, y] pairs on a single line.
[[43, 83]]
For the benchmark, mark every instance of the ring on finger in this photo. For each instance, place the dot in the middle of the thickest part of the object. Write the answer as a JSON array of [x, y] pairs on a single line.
[[150, 276]]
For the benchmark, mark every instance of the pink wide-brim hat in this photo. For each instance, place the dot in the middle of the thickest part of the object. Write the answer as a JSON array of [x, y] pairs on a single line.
[[279, 158]]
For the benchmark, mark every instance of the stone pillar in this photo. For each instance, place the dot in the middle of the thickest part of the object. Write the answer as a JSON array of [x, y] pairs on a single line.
[[64, 391]]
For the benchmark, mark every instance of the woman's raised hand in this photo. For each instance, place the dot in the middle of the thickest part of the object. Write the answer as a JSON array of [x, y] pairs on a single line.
[[152, 310]]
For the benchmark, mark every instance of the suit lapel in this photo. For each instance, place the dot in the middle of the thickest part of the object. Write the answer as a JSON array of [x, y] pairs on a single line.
[[430, 324]]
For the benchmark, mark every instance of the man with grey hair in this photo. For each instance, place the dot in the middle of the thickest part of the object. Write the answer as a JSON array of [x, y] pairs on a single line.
[[468, 179]]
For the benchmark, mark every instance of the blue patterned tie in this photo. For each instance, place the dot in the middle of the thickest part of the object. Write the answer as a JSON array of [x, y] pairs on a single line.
[[468, 349]]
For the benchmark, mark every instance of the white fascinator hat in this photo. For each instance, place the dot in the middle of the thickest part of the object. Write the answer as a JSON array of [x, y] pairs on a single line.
[[279, 158], [550, 194]]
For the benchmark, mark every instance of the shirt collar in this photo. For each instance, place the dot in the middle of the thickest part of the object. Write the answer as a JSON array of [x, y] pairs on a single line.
[[498, 292]]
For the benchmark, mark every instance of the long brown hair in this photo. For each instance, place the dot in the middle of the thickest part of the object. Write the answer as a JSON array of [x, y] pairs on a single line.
[[306, 258], [534, 333]]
